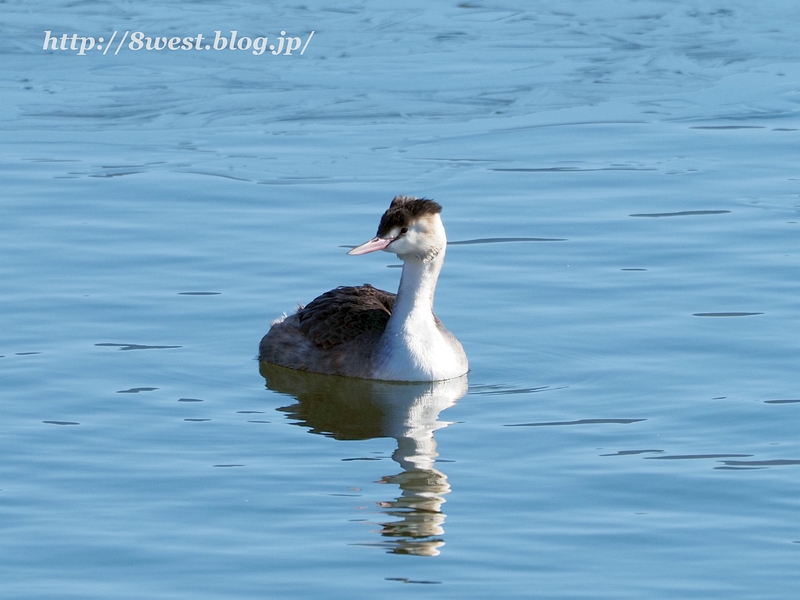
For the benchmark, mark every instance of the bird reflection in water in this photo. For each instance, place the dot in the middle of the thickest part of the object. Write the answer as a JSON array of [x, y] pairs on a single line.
[[360, 409]]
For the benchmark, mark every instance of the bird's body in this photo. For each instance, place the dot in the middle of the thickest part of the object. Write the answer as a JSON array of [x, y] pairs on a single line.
[[369, 333]]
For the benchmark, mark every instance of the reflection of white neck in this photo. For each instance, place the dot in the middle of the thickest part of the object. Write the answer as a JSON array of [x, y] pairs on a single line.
[[416, 453], [412, 424]]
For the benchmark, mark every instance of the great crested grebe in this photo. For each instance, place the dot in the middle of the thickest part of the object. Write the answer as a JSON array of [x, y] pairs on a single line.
[[368, 333]]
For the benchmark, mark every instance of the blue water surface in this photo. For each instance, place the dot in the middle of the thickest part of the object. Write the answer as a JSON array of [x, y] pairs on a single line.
[[622, 198]]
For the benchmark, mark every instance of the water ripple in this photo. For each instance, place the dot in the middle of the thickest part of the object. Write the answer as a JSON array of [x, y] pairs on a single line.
[[727, 314], [135, 346], [695, 456], [632, 452], [502, 240], [683, 213], [780, 462], [728, 127], [503, 390], [579, 422], [569, 169]]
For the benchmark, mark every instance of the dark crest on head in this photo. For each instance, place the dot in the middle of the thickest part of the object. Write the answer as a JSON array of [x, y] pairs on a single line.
[[405, 209]]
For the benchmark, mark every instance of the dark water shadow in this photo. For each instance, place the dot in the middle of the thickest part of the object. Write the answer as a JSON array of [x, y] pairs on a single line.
[[407, 580], [503, 240], [135, 346], [486, 389], [728, 127], [780, 462], [345, 408], [578, 422], [727, 314], [682, 213], [633, 452], [117, 174], [695, 456], [222, 175], [569, 169]]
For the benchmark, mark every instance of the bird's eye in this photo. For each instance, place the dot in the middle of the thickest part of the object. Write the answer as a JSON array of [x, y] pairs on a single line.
[[404, 230]]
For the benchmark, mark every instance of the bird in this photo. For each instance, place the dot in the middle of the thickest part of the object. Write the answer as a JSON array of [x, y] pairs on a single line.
[[369, 333]]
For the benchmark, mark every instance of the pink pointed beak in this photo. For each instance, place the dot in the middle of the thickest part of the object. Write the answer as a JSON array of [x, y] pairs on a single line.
[[373, 245]]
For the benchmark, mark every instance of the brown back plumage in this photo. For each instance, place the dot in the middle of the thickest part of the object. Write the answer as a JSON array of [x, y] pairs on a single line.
[[343, 314]]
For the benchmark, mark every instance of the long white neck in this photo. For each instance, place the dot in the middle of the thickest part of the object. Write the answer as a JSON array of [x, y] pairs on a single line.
[[414, 303], [414, 346]]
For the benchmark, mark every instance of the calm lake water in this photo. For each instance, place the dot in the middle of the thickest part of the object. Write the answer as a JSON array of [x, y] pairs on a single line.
[[621, 192]]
